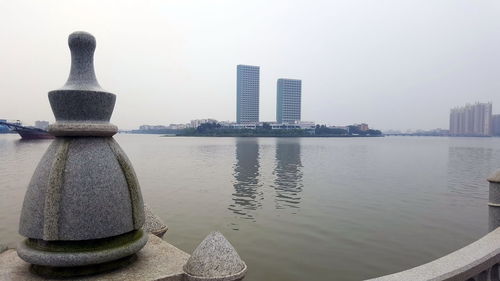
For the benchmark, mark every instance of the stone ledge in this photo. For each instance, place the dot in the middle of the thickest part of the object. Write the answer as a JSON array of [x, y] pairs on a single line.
[[157, 261], [82, 129], [477, 258]]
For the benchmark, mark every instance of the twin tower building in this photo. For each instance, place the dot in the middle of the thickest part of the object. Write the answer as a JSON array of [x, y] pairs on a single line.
[[288, 103]]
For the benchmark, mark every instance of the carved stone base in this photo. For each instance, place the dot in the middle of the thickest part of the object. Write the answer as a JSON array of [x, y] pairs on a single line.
[[50, 254], [157, 261], [79, 271]]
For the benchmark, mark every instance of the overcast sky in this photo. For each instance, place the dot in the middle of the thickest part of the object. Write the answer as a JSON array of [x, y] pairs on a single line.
[[395, 64]]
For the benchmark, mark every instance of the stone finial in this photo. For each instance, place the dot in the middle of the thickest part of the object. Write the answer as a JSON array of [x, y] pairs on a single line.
[[215, 259], [495, 177], [82, 74], [81, 107], [153, 224], [83, 210]]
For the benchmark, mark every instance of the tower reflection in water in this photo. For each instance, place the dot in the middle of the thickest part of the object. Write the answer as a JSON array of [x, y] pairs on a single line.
[[247, 196], [249, 183], [288, 173]]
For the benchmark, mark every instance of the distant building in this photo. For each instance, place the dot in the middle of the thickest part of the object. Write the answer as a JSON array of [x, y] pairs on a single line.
[[42, 125], [304, 125], [251, 126], [247, 94], [495, 125], [152, 127], [197, 122], [471, 120], [177, 126], [362, 127], [288, 103]]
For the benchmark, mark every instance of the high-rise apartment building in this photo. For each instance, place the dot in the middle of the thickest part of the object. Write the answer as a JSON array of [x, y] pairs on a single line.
[[495, 125], [247, 89], [288, 103], [471, 120]]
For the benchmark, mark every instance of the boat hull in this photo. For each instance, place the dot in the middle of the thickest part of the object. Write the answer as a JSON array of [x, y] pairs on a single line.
[[33, 134]]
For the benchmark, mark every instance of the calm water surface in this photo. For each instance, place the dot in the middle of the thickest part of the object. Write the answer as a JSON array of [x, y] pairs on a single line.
[[300, 208]]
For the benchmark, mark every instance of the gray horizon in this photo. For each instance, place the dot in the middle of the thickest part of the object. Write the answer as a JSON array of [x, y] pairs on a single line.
[[394, 64]]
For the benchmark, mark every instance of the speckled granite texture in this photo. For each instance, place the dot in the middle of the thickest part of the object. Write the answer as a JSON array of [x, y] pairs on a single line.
[[3, 248], [494, 201], [93, 197], [70, 258], [82, 99], [153, 223], [495, 177], [84, 187], [157, 261], [215, 259], [77, 129], [76, 105]]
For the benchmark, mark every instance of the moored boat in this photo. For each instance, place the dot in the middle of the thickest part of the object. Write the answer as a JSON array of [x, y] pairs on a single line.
[[33, 133], [30, 133]]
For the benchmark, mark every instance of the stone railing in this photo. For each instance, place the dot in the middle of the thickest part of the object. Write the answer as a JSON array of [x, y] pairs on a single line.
[[478, 261]]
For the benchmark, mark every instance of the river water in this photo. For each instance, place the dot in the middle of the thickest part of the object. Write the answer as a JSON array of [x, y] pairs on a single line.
[[299, 208]]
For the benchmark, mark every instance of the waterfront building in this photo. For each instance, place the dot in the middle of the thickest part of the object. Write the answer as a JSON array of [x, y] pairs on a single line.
[[471, 120], [304, 125], [42, 125], [197, 122], [495, 125], [362, 127], [288, 100], [247, 94], [152, 127], [232, 125], [177, 126]]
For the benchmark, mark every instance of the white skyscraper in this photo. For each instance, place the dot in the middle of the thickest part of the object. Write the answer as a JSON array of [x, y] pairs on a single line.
[[247, 89], [288, 103]]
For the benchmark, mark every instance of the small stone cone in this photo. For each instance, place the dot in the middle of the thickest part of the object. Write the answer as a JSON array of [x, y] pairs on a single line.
[[494, 177], [154, 224], [215, 259]]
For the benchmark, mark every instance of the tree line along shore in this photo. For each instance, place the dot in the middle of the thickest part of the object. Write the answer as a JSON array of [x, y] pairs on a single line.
[[216, 130]]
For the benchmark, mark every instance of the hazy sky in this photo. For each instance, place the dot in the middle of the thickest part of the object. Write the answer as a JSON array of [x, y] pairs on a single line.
[[398, 64]]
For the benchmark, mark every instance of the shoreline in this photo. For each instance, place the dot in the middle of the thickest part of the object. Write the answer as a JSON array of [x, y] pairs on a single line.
[[271, 136]]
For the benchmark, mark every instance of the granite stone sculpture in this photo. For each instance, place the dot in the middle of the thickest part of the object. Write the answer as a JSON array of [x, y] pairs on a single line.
[[83, 210], [215, 259]]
